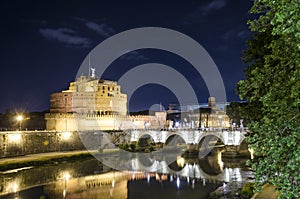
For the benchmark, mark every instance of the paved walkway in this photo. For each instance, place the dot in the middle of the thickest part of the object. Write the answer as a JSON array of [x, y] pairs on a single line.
[[34, 157], [268, 192]]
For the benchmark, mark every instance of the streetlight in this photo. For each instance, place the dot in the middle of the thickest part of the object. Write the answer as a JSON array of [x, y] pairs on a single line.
[[20, 118]]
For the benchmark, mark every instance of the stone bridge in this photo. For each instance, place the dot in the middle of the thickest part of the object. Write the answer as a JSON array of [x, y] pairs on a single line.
[[189, 136]]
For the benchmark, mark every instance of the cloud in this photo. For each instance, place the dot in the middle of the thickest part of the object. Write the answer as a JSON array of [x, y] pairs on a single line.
[[102, 29], [244, 34], [212, 6], [65, 35], [240, 33], [197, 15], [134, 55]]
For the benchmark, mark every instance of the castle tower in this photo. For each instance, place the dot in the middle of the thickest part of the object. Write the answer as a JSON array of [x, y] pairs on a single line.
[[211, 102]]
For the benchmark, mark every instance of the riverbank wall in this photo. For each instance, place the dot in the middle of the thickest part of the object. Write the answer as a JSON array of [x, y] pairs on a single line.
[[19, 143]]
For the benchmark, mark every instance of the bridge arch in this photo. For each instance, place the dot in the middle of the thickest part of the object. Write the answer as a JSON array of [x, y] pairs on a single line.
[[146, 139], [175, 139], [219, 135], [207, 142]]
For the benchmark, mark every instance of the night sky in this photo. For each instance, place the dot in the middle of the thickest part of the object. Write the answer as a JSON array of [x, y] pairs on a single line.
[[43, 44]]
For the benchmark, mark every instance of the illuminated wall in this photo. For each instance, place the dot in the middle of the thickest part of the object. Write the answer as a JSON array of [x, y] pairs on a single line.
[[90, 96], [15, 143], [78, 122]]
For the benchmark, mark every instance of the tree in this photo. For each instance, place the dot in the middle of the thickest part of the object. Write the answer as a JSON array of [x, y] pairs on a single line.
[[235, 112], [272, 90]]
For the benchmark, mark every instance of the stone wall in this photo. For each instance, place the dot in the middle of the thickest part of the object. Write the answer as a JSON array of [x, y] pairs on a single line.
[[17, 143], [89, 122]]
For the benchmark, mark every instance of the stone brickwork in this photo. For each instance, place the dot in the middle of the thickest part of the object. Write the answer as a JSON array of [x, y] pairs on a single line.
[[16, 143]]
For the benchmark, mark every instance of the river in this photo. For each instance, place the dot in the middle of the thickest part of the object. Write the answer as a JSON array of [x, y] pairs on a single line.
[[153, 177]]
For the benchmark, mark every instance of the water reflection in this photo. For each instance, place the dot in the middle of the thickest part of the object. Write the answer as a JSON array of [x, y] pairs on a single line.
[[150, 176]]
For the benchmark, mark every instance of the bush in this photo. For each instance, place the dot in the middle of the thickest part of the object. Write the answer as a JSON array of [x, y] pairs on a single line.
[[132, 147], [124, 146], [151, 148], [247, 191]]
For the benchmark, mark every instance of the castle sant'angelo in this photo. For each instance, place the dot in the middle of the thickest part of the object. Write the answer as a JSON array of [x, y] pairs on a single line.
[[91, 103]]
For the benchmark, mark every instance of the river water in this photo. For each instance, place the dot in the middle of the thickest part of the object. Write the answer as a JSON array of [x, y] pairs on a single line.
[[151, 178]]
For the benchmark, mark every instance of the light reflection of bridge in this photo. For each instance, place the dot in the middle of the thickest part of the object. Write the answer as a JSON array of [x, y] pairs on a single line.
[[210, 169], [113, 182], [189, 171], [189, 136]]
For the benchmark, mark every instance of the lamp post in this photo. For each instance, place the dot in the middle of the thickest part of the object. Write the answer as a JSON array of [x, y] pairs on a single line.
[[20, 118]]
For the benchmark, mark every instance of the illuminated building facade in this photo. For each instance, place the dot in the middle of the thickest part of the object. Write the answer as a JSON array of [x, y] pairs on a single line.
[[210, 115], [94, 104], [90, 96]]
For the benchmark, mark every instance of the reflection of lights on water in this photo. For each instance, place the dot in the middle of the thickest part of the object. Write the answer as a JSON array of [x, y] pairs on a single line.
[[251, 153], [180, 161], [113, 183], [178, 182], [111, 192], [171, 178], [220, 162], [157, 177], [193, 183], [226, 175], [204, 182], [224, 186], [164, 177], [14, 138], [66, 177], [188, 179], [148, 178], [237, 174], [232, 175]]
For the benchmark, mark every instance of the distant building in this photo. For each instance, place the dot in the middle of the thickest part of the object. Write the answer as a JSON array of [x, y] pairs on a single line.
[[94, 104], [210, 115]]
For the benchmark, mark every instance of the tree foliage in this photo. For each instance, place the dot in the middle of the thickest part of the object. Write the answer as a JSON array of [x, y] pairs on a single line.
[[272, 90], [235, 111]]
